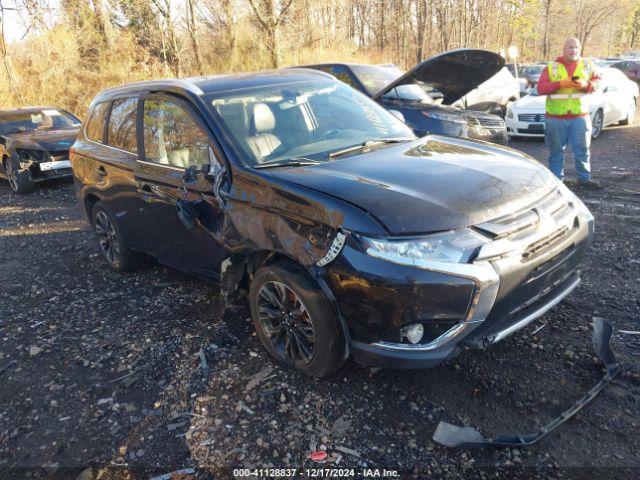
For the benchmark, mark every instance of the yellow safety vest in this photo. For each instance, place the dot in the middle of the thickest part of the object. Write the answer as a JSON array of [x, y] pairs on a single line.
[[568, 101]]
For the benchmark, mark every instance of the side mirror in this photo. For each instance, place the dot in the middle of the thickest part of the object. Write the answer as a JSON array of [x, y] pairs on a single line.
[[398, 115]]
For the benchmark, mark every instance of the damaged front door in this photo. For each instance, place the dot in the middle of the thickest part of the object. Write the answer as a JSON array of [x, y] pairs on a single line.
[[173, 140]]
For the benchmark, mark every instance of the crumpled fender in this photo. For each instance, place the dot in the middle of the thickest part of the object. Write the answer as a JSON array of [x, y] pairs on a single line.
[[468, 437]]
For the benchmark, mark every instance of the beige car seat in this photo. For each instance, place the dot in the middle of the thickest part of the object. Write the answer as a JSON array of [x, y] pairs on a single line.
[[261, 142]]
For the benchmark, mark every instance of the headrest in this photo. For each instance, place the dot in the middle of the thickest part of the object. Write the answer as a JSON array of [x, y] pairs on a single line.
[[263, 119]]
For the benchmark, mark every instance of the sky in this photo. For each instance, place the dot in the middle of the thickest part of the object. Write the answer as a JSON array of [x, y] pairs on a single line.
[[12, 23]]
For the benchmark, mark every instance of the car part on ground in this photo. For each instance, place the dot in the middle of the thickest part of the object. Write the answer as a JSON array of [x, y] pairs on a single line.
[[293, 187], [34, 145], [468, 437]]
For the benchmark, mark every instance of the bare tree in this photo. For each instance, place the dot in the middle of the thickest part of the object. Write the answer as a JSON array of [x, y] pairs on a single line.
[[269, 17], [170, 50], [588, 15], [192, 29]]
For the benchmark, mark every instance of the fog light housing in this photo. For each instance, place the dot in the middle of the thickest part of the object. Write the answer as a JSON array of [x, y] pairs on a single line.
[[413, 333]]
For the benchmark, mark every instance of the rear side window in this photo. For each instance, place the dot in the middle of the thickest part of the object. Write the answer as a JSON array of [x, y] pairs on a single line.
[[172, 137], [342, 74], [121, 131], [95, 124]]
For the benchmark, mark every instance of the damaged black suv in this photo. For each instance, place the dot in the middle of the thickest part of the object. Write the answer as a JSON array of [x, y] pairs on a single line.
[[34, 145], [351, 236]]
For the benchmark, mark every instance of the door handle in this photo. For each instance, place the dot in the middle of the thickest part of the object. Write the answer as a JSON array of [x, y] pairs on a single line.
[[101, 171]]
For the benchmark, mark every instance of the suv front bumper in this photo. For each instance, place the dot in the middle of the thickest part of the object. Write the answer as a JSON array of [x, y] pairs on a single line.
[[514, 281]]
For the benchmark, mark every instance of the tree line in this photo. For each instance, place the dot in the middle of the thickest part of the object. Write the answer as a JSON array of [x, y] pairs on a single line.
[[73, 48]]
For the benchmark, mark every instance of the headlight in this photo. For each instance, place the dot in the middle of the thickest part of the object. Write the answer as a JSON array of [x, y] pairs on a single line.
[[452, 246], [447, 117], [510, 113]]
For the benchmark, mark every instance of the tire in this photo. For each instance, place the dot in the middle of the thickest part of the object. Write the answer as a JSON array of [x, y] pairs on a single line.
[[310, 338], [597, 124], [111, 243], [631, 114], [20, 181]]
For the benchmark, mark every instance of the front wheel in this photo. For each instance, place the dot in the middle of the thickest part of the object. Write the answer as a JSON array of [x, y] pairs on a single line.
[[19, 180], [294, 320], [597, 124]]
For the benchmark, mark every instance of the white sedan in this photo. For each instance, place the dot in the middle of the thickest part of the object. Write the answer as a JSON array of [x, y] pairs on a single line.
[[614, 102]]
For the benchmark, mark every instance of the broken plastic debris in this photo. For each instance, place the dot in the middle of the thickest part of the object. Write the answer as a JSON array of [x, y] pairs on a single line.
[[319, 456], [203, 360], [33, 351], [183, 474], [348, 451], [258, 378], [468, 437], [538, 329], [629, 332]]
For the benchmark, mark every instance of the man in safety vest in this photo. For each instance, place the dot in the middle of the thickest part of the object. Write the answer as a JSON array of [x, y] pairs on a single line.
[[566, 82]]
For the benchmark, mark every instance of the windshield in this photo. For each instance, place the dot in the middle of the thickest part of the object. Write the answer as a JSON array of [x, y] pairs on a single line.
[[376, 77], [534, 70], [304, 119], [36, 120]]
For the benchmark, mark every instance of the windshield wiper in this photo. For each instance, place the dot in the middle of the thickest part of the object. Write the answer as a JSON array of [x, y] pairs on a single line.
[[290, 162], [368, 143]]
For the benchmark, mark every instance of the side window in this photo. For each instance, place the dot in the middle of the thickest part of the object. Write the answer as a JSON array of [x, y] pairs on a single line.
[[121, 132], [95, 125], [342, 74], [172, 137]]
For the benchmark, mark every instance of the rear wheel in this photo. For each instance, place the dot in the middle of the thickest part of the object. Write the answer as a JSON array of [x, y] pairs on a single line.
[[19, 180], [111, 242], [294, 320], [597, 124], [631, 114]]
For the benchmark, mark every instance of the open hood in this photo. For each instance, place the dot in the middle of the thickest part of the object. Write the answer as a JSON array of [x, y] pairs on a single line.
[[454, 73]]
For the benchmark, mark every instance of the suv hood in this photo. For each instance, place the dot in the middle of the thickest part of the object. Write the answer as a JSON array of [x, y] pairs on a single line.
[[454, 73], [47, 140], [432, 184]]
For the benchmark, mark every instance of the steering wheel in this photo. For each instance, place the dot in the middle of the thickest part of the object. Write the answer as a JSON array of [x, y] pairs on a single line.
[[329, 134]]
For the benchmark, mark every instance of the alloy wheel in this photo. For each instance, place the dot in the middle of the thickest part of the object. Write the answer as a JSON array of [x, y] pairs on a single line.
[[286, 322], [597, 124], [107, 238]]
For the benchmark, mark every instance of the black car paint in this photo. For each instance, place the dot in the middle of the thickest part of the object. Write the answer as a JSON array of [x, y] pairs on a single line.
[[453, 74], [465, 123], [295, 213], [45, 145]]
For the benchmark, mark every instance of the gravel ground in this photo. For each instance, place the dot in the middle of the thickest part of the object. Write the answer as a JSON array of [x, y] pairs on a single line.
[[147, 373]]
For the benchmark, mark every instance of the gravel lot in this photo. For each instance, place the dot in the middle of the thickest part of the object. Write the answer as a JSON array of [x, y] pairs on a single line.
[[147, 373]]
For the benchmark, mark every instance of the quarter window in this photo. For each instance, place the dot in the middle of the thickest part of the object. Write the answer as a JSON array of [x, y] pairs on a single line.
[[95, 124], [342, 74], [172, 137], [122, 124]]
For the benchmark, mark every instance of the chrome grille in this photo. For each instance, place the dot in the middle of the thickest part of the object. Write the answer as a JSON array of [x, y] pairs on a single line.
[[486, 122], [532, 230], [531, 117]]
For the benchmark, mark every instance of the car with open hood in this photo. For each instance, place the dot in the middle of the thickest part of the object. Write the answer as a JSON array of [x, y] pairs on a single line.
[[349, 235], [423, 96], [34, 145], [614, 102]]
